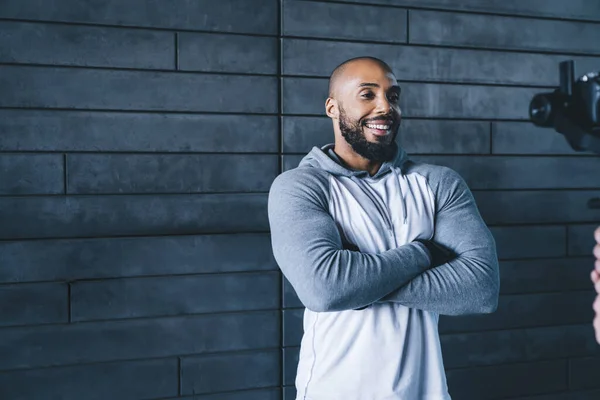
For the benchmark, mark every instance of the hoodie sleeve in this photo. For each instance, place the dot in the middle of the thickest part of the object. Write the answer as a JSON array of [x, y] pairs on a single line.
[[468, 283], [308, 248]]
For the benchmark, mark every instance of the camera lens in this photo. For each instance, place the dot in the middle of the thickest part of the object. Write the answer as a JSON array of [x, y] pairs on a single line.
[[540, 110]]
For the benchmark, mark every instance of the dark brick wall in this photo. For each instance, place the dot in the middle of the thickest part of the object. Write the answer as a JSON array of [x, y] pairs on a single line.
[[138, 141]]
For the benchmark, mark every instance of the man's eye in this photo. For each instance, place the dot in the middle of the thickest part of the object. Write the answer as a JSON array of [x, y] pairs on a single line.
[[367, 95], [394, 97]]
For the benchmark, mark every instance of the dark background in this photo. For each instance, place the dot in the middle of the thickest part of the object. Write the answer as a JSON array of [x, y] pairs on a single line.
[[138, 142]]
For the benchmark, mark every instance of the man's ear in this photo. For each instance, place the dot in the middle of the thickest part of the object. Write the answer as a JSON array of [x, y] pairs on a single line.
[[331, 108]]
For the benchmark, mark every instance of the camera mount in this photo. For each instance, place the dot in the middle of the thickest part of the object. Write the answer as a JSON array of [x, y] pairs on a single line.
[[572, 109]]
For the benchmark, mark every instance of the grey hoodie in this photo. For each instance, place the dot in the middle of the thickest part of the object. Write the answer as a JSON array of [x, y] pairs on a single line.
[[352, 246]]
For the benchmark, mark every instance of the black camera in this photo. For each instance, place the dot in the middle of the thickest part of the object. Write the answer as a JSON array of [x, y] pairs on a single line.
[[572, 109]]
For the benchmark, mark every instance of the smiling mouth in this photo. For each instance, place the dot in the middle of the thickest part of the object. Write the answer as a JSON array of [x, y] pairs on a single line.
[[380, 129]]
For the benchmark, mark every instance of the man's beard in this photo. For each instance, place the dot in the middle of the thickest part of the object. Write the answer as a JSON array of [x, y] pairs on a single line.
[[372, 151]]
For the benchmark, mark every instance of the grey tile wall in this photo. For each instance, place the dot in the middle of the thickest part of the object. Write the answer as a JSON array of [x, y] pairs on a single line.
[[203, 15], [502, 32], [119, 257], [101, 89], [575, 10], [84, 131], [138, 141]]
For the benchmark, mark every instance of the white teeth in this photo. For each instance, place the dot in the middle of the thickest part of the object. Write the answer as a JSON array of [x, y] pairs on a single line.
[[382, 127]]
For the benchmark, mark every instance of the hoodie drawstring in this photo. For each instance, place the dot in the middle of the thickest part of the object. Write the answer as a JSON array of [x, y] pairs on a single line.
[[404, 207]]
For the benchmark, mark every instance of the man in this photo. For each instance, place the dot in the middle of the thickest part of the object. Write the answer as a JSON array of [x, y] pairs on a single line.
[[596, 281], [376, 247]]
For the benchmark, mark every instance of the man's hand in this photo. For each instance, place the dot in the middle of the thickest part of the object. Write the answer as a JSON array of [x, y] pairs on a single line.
[[439, 254], [596, 280]]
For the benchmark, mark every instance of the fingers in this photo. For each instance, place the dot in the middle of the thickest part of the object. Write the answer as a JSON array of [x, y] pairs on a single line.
[[597, 327], [596, 251], [595, 275]]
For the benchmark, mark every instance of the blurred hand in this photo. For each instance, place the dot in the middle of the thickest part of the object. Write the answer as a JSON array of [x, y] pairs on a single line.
[[439, 254], [595, 275]]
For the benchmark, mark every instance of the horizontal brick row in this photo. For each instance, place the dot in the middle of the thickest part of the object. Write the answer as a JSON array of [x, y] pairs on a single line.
[[81, 88], [501, 381], [30, 304], [518, 172], [537, 206], [98, 174], [91, 216], [576, 10], [31, 174], [149, 379], [153, 379], [75, 259], [471, 30], [123, 174], [173, 295], [523, 345], [307, 96], [215, 173], [318, 58], [529, 310], [228, 53], [526, 138], [28, 130], [202, 15], [56, 345], [218, 373], [545, 275], [38, 43], [530, 241], [342, 21], [536, 275]]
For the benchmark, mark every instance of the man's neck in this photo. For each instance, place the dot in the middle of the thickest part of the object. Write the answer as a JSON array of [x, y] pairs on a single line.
[[354, 161]]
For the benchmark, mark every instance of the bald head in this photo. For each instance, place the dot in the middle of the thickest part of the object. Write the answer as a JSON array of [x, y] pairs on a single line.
[[347, 66]]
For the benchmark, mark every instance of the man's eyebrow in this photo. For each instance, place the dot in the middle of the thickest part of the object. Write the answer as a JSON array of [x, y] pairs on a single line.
[[368, 84], [395, 88]]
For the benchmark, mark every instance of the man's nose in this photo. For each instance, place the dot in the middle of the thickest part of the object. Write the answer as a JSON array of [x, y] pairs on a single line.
[[383, 105]]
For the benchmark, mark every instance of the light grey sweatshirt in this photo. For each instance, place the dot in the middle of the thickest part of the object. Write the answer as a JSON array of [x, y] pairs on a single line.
[[347, 242]]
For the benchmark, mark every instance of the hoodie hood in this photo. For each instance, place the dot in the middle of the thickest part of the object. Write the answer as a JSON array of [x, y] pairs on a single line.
[[325, 158]]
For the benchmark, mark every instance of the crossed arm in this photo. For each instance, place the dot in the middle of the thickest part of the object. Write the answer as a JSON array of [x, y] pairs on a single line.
[[308, 248], [469, 282]]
